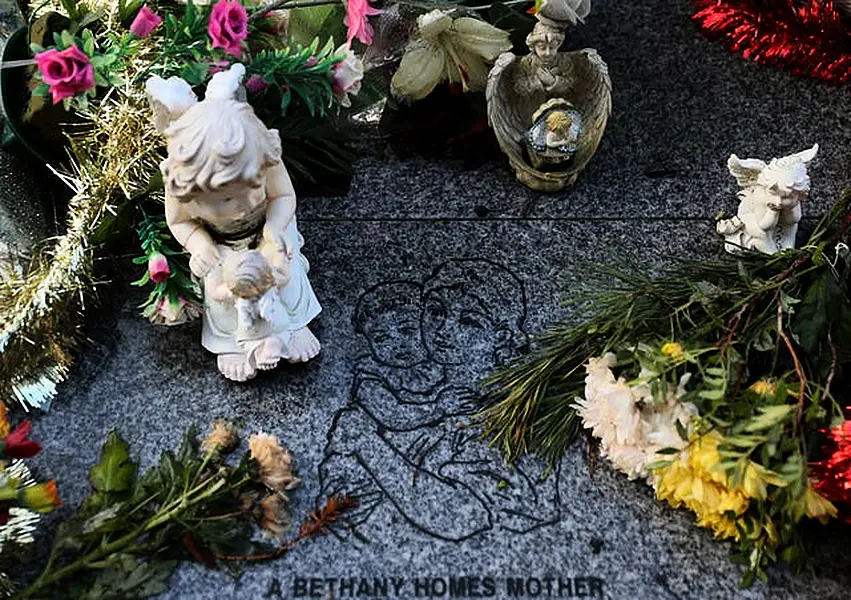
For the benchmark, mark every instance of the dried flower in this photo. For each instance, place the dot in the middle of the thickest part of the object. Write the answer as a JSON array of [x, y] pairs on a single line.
[[222, 438], [145, 22], [66, 72], [275, 462], [158, 268], [357, 12], [16, 444], [228, 26], [273, 517]]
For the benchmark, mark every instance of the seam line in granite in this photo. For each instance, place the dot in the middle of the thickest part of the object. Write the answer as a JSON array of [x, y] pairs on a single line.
[[511, 219]]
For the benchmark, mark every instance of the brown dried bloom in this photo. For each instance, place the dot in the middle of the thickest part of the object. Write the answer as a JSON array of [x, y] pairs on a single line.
[[273, 517], [222, 438], [275, 462]]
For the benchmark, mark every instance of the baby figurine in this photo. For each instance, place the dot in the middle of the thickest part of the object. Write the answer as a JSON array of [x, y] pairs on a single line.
[[561, 130], [248, 281], [227, 191]]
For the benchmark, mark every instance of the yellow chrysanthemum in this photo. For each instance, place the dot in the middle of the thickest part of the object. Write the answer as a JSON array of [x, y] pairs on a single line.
[[764, 388], [697, 482], [674, 351]]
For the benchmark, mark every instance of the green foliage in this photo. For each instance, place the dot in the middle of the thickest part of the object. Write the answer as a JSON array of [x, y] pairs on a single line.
[[765, 339], [128, 535], [299, 72]]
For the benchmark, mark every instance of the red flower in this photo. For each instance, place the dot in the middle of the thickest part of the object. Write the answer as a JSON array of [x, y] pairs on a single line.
[[145, 22], [16, 444], [158, 268], [228, 26], [68, 72], [357, 12]]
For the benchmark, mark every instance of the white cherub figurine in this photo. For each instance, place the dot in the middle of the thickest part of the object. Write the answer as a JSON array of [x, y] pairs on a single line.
[[227, 192], [770, 207]]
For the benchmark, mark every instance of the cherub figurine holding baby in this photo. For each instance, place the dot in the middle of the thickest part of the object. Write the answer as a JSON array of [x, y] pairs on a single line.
[[230, 203]]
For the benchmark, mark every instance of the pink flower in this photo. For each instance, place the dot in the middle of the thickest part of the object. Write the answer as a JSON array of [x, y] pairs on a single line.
[[145, 22], [158, 267], [67, 72], [228, 26], [218, 66], [357, 12], [346, 76], [256, 84]]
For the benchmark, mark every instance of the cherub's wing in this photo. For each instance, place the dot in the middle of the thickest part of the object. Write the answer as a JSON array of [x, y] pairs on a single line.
[[169, 98], [591, 94], [504, 114], [746, 171]]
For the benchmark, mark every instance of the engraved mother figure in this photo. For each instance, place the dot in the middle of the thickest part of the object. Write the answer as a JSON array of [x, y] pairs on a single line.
[[227, 191]]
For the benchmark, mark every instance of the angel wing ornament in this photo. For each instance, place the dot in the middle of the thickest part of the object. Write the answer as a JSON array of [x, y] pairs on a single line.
[[549, 108]]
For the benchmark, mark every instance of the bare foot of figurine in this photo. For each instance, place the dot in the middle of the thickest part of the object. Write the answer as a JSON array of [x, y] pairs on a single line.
[[303, 346], [269, 354], [235, 367]]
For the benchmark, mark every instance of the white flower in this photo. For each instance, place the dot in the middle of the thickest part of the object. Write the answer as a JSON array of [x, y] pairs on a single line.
[[631, 427], [347, 76]]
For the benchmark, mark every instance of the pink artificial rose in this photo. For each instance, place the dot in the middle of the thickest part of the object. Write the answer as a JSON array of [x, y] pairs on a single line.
[[256, 84], [228, 26], [145, 22], [357, 12], [158, 268], [67, 72]]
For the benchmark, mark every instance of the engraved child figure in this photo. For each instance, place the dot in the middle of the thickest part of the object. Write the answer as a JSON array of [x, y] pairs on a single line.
[[226, 190], [472, 322], [393, 391]]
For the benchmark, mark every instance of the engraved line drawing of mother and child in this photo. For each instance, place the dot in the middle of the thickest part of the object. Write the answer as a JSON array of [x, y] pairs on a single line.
[[403, 441]]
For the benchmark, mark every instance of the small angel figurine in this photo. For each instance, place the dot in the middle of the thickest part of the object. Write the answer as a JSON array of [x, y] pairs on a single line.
[[227, 192], [549, 109], [770, 202]]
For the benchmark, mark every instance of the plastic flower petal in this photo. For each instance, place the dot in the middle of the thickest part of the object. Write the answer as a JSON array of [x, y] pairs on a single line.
[[158, 268], [228, 26], [357, 13], [145, 22], [16, 444], [445, 49], [41, 498], [346, 76]]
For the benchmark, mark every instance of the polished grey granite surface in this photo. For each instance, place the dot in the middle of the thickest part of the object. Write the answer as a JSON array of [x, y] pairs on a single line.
[[397, 263]]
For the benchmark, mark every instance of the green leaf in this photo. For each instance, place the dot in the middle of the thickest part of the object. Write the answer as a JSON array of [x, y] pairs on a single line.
[[115, 472], [36, 48], [813, 319], [131, 579], [67, 39], [88, 42], [41, 89], [194, 73], [668, 451], [100, 80]]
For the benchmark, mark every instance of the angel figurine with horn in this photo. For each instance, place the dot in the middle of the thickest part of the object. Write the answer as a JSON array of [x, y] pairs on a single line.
[[549, 109], [770, 202], [230, 203]]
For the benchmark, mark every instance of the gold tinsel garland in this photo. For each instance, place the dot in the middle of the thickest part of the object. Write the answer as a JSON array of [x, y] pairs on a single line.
[[114, 154]]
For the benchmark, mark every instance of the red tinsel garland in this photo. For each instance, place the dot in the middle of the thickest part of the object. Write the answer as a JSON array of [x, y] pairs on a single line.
[[807, 36], [832, 474]]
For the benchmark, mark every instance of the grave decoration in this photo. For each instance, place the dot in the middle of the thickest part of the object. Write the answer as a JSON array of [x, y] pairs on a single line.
[[80, 102], [128, 536], [721, 384], [22, 500], [812, 38]]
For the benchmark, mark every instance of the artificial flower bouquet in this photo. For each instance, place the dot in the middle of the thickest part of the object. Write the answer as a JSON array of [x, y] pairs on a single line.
[[306, 63], [721, 384], [22, 500]]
